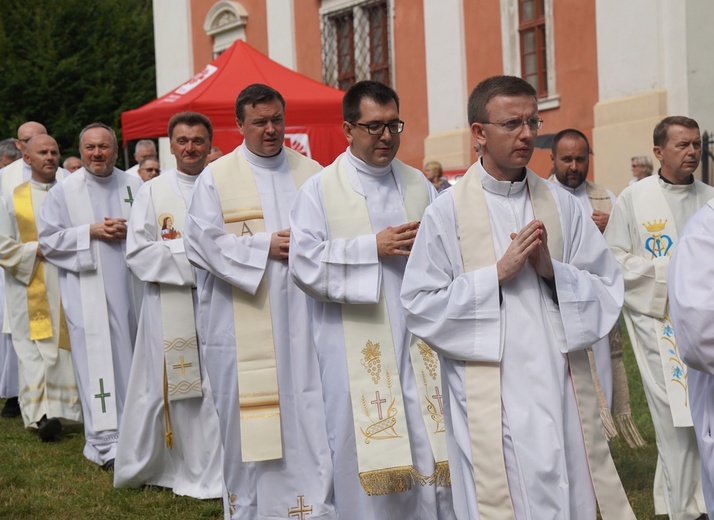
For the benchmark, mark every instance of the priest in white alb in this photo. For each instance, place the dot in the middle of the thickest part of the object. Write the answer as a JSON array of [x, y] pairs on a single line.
[[353, 226], [570, 154], [643, 233], [256, 343], [11, 175], [82, 230], [48, 391], [509, 280], [169, 435], [690, 281]]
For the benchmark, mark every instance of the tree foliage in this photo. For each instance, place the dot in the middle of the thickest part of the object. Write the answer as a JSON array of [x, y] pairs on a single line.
[[68, 63]]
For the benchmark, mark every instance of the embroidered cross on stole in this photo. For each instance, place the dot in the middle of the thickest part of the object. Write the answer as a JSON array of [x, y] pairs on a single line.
[[383, 448]]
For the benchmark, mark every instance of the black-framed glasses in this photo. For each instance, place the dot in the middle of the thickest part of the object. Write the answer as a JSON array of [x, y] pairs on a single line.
[[395, 127], [515, 124]]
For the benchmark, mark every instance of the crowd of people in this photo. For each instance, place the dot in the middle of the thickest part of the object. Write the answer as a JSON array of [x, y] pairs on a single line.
[[363, 340]]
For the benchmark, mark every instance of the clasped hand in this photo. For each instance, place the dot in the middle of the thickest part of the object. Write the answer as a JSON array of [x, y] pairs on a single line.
[[529, 244], [112, 229]]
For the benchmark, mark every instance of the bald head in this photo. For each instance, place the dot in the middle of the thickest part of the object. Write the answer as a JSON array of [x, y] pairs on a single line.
[[26, 132], [42, 154]]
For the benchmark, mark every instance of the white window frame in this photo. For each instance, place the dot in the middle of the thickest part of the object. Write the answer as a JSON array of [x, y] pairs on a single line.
[[510, 42], [225, 23]]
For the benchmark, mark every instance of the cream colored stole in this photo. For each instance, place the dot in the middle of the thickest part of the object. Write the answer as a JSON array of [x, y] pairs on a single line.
[[38, 306], [255, 349], [382, 438], [102, 390], [178, 326], [658, 234], [483, 379]]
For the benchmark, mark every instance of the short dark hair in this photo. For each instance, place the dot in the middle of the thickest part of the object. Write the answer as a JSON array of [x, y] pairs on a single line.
[[572, 132], [374, 90], [190, 119], [254, 94], [108, 128], [495, 86], [659, 136]]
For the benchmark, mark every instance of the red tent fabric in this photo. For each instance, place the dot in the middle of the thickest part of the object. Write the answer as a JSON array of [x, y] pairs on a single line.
[[313, 111]]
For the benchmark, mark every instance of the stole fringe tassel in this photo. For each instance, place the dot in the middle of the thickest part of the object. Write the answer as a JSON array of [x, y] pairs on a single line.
[[387, 480], [629, 431], [396, 480], [167, 413]]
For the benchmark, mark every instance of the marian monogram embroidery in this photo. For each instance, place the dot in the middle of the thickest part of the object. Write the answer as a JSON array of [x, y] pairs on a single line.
[[383, 426], [677, 369], [658, 244]]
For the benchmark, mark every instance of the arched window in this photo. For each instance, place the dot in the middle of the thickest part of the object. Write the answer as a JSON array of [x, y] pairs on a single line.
[[225, 22]]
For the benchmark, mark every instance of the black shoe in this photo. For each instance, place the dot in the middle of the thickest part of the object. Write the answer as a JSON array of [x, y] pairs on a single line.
[[11, 408], [108, 465], [48, 428]]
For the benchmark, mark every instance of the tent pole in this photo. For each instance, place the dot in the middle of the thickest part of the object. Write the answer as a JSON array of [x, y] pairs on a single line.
[[126, 158]]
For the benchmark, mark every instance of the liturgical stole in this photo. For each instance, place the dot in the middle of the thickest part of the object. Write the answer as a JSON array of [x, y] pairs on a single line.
[[382, 438], [255, 349], [178, 326], [94, 300], [483, 379], [658, 235], [38, 306]]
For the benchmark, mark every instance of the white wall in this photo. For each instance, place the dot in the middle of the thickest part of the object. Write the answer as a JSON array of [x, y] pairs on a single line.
[[281, 32], [445, 65], [174, 55]]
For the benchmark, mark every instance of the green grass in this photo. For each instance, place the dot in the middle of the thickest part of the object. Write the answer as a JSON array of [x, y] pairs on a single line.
[[637, 466], [55, 481]]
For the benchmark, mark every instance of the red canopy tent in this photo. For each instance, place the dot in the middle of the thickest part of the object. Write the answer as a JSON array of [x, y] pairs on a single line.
[[313, 111]]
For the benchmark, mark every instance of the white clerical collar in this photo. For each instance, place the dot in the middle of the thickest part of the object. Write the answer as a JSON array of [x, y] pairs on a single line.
[[185, 177], [363, 167], [45, 186], [269, 163], [497, 187]]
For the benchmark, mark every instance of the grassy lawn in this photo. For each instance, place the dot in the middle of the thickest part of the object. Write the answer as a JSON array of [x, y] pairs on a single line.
[[55, 481]]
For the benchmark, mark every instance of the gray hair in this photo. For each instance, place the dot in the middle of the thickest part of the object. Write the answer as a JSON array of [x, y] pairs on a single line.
[[100, 125], [148, 143], [8, 149]]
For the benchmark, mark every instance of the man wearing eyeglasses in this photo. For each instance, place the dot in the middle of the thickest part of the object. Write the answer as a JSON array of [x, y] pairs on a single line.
[[509, 280], [353, 226], [149, 168]]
